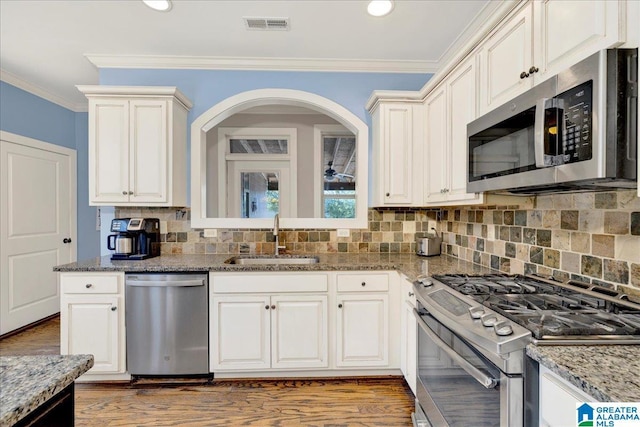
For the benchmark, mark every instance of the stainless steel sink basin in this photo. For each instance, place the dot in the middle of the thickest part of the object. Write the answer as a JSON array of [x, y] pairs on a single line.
[[270, 260]]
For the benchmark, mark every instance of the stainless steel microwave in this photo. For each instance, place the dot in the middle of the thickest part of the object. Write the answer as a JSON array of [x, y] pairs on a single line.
[[577, 131]]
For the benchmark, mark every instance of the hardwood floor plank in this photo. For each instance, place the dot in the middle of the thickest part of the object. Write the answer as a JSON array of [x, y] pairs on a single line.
[[323, 402]]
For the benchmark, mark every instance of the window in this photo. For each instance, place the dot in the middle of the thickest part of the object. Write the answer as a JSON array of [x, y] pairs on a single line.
[[337, 152], [258, 172]]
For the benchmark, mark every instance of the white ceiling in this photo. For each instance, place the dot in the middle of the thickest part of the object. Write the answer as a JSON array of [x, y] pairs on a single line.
[[49, 46]]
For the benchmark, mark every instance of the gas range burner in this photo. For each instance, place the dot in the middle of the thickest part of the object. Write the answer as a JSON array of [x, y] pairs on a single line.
[[553, 310], [494, 284]]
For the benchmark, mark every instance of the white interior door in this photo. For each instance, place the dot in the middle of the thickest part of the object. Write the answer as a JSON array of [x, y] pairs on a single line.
[[38, 212]]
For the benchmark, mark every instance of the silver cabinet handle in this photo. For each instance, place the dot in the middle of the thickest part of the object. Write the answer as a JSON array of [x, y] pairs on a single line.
[[482, 378]]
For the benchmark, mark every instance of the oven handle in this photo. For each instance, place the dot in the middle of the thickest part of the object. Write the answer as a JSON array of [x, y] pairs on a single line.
[[482, 378]]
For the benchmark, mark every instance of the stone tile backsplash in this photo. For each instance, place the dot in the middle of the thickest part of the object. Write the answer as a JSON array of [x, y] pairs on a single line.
[[587, 236]]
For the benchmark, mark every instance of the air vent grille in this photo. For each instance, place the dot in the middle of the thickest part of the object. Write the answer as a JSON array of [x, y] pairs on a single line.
[[267, 24]]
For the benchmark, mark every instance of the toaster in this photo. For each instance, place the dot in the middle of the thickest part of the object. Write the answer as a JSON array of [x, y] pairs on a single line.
[[428, 245]]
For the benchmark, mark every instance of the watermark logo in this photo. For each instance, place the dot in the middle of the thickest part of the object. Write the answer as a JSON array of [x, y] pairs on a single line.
[[608, 414]]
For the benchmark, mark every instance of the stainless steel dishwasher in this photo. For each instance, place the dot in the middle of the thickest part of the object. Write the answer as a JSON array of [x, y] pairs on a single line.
[[167, 324]]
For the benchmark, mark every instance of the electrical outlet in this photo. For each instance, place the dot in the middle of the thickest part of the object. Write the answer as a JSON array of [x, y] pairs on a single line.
[[163, 227], [210, 232], [343, 232]]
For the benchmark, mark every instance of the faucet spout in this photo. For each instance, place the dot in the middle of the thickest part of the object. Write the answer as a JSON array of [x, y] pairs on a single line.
[[276, 231]]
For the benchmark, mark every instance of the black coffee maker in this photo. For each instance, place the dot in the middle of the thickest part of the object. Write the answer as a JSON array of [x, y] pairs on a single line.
[[136, 238]]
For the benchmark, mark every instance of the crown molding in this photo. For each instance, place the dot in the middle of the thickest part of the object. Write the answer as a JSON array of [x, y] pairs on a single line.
[[38, 91], [265, 64]]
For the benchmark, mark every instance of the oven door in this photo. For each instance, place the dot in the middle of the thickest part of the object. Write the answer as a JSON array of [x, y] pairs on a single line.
[[458, 386]]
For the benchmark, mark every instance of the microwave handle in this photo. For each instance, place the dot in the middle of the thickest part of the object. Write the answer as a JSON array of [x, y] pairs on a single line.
[[485, 380], [538, 132]]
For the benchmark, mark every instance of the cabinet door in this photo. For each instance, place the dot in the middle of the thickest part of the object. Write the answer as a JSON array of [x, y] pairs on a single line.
[[408, 335], [363, 330], [240, 333], [558, 400], [108, 151], [461, 90], [148, 151], [504, 56], [569, 31], [437, 143], [397, 154], [94, 325], [299, 331]]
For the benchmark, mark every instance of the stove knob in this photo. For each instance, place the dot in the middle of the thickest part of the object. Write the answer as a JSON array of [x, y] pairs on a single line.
[[425, 282], [476, 312], [489, 319], [503, 328]]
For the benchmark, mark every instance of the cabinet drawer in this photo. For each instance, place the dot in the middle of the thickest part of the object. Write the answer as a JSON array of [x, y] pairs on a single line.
[[363, 282], [91, 283], [268, 283]]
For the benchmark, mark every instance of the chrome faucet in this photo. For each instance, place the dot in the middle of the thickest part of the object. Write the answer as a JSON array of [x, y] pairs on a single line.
[[276, 231]]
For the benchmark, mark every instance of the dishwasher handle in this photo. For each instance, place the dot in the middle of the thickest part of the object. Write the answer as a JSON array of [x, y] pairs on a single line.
[[165, 284]]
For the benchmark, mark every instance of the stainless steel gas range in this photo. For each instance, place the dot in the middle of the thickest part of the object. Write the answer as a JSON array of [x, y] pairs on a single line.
[[473, 331]]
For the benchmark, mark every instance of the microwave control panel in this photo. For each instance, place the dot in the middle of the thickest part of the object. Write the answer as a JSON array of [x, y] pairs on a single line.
[[577, 111]]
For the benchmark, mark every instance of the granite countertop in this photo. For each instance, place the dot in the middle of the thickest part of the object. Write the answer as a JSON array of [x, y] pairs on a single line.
[[608, 373], [409, 264], [29, 381]]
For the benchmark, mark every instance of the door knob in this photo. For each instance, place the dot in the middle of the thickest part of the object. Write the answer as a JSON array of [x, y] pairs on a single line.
[[114, 308], [339, 305], [273, 307], [266, 307], [66, 240], [124, 193]]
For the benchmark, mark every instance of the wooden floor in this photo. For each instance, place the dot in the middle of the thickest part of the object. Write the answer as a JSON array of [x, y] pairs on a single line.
[[343, 402]]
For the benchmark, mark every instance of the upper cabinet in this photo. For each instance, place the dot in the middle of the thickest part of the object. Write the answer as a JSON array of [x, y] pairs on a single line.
[[398, 134], [137, 146], [542, 38], [448, 110]]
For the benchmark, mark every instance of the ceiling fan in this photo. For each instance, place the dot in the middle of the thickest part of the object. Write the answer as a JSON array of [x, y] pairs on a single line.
[[330, 174]]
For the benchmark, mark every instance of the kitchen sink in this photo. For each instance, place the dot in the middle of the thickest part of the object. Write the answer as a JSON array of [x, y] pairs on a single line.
[[271, 259]]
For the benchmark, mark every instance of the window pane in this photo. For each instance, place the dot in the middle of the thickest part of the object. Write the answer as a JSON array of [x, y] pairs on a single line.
[[258, 146], [339, 208], [260, 196]]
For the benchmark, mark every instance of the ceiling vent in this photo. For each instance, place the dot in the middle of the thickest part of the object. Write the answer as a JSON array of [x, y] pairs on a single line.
[[266, 24]]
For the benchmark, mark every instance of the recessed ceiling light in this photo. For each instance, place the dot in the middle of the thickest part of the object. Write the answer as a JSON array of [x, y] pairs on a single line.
[[380, 7], [160, 5]]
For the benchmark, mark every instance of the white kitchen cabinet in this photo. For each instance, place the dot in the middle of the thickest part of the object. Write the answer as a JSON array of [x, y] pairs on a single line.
[[448, 110], [408, 334], [504, 56], [397, 149], [362, 338], [92, 321], [558, 400], [268, 321], [566, 32], [542, 38], [137, 146]]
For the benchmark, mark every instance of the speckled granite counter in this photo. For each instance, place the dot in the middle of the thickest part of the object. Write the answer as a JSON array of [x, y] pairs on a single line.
[[409, 264], [609, 373], [26, 382]]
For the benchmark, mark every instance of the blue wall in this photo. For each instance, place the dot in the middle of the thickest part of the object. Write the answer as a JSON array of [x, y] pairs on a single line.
[[205, 88], [25, 114]]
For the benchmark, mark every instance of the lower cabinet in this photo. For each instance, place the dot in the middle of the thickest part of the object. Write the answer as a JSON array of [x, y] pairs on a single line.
[[261, 332], [558, 400], [362, 338], [92, 320], [409, 335]]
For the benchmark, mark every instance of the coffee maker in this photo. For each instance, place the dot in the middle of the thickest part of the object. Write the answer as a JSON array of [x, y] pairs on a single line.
[[136, 238]]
